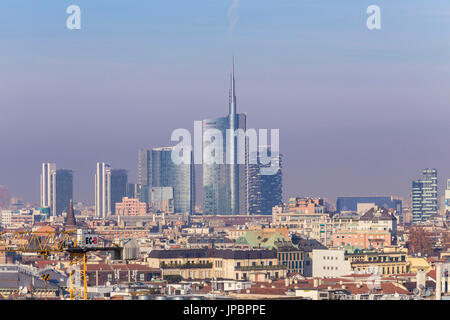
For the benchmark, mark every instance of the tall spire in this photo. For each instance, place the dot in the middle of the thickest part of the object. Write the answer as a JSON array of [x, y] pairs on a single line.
[[70, 218], [232, 102]]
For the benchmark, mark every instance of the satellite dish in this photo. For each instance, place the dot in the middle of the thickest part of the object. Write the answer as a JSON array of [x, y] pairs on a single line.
[[428, 293], [421, 286], [416, 291]]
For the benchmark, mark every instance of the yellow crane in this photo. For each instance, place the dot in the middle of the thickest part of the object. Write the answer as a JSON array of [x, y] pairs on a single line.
[[49, 242]]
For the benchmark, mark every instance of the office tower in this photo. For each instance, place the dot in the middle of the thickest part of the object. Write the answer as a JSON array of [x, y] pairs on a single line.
[[447, 197], [4, 197], [353, 203], [103, 190], [119, 187], [224, 184], [133, 191], [425, 196], [48, 187], [264, 191], [161, 199], [64, 190], [156, 169], [144, 165]]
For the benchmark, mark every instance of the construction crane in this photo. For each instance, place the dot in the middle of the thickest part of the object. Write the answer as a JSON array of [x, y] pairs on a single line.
[[77, 243]]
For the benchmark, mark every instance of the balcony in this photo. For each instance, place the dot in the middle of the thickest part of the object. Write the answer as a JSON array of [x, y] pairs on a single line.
[[208, 265], [260, 267]]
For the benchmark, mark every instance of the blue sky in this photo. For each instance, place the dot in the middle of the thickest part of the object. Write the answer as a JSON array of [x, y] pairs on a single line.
[[359, 111]]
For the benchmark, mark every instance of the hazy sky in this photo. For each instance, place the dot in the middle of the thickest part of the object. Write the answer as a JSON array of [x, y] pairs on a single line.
[[360, 112]]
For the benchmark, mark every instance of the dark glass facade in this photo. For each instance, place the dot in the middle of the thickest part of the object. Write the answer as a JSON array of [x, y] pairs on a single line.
[[64, 190], [157, 169], [119, 187], [351, 203], [264, 191]]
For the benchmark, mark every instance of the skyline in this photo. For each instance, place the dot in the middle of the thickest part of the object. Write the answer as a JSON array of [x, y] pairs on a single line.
[[107, 91]]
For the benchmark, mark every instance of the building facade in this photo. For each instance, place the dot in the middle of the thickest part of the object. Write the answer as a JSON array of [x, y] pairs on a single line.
[[362, 204], [64, 190], [48, 187], [156, 169], [103, 190], [253, 265], [119, 187], [225, 171], [130, 207], [330, 263], [425, 196], [376, 228], [308, 217], [264, 191]]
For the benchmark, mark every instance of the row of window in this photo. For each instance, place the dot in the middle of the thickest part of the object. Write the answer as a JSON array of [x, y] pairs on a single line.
[[290, 256]]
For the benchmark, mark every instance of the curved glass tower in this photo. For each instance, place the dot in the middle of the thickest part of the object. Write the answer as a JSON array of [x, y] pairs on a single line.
[[224, 183]]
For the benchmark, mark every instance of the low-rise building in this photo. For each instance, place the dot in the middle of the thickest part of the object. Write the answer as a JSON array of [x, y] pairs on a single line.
[[205, 263], [330, 263]]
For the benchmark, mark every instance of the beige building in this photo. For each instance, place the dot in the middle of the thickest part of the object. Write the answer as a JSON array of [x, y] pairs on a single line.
[[131, 207], [253, 265]]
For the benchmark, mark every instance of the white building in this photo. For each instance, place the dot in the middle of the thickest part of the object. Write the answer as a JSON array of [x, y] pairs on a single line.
[[103, 190], [329, 263], [447, 196], [48, 187]]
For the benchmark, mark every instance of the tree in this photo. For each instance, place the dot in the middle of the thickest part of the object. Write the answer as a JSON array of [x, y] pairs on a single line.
[[420, 241], [445, 240]]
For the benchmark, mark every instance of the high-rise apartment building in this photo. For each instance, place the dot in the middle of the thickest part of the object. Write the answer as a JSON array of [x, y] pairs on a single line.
[[48, 187], [156, 169], [64, 190], [224, 178], [425, 196], [264, 191], [103, 190]]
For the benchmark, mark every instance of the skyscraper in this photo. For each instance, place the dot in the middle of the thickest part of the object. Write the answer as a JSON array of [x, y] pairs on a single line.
[[156, 169], [264, 191], [119, 187], [144, 165], [4, 197], [64, 190], [224, 183], [425, 196], [103, 190], [133, 190], [48, 187]]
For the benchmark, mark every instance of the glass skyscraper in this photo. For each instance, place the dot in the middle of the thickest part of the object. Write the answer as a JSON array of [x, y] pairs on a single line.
[[425, 196], [351, 203], [64, 190], [156, 169], [225, 185], [264, 191], [119, 187]]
